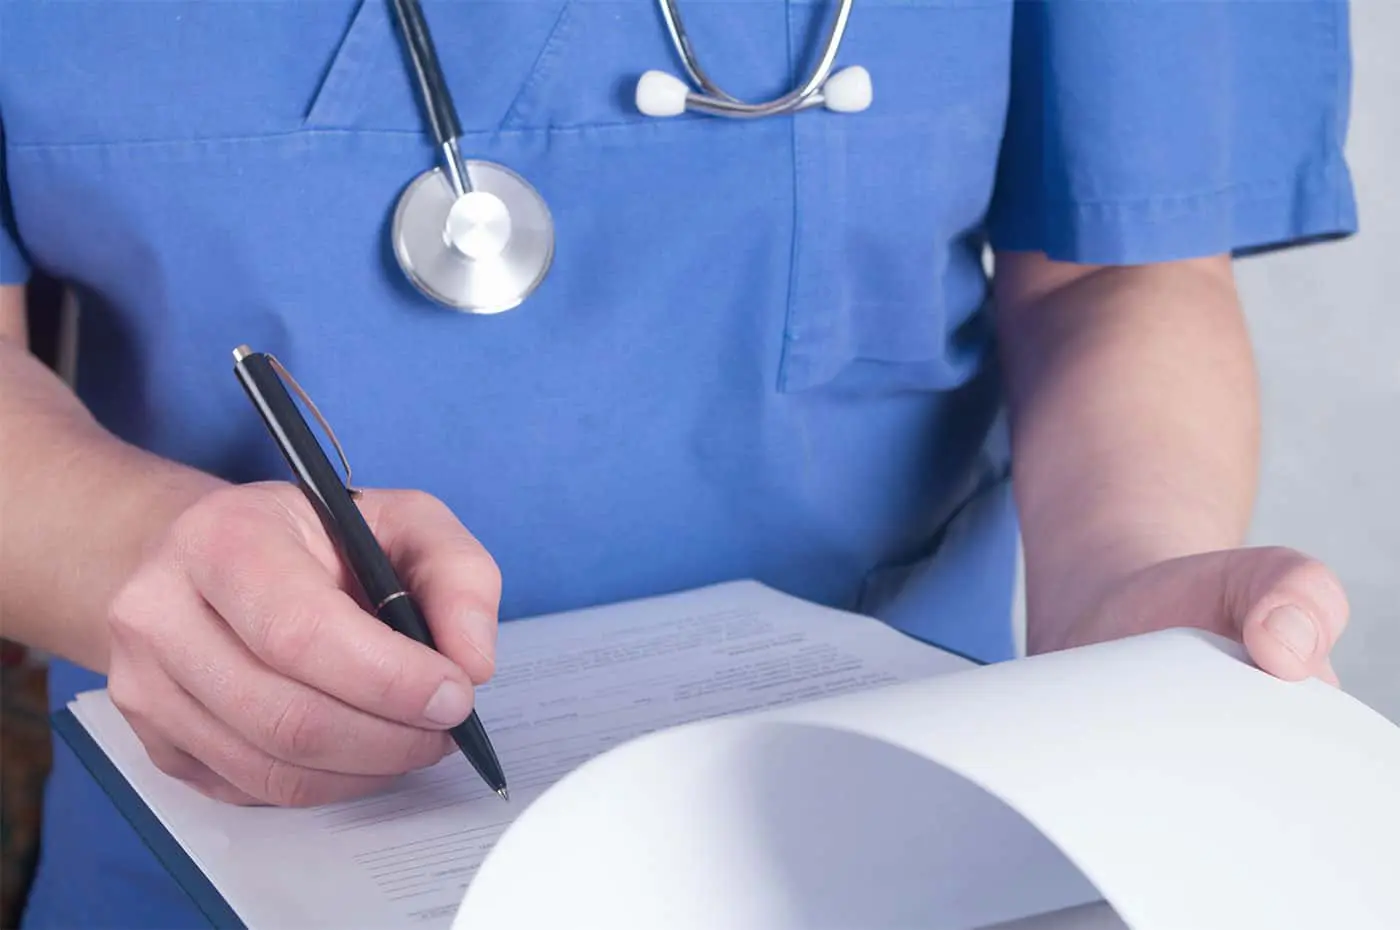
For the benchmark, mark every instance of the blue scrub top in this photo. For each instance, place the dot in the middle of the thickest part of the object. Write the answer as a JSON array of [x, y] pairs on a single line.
[[763, 348]]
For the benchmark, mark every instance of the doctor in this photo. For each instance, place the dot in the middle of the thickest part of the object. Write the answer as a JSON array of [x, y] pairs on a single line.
[[762, 347]]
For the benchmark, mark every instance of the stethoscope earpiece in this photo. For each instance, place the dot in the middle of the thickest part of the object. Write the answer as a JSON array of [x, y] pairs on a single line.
[[848, 90], [660, 94]]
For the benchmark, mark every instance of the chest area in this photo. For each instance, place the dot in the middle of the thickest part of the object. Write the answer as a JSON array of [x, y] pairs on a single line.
[[104, 71], [198, 163]]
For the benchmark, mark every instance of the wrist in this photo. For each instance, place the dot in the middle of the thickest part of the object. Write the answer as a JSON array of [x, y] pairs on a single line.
[[89, 517], [166, 490], [1058, 597], [129, 528]]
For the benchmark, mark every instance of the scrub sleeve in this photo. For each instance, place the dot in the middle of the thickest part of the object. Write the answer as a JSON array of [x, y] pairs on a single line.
[[1147, 132]]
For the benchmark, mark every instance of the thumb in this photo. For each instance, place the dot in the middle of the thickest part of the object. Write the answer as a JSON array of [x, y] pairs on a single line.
[[1286, 608], [1289, 610], [451, 576]]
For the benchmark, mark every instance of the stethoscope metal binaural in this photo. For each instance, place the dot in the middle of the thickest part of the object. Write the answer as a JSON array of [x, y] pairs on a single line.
[[662, 94], [475, 236]]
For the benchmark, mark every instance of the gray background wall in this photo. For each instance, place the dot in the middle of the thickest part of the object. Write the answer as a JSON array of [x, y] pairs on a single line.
[[1326, 323]]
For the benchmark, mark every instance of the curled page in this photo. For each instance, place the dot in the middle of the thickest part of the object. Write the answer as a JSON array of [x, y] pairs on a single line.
[[1162, 776]]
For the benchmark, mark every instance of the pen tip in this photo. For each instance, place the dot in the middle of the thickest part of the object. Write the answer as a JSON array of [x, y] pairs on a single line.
[[242, 352], [505, 795]]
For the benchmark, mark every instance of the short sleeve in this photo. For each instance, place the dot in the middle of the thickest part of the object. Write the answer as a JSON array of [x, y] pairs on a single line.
[[14, 267], [1152, 130]]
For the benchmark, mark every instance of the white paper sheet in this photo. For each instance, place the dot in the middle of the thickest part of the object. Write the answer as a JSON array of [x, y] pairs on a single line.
[[568, 688], [764, 825], [1195, 791], [1096, 916]]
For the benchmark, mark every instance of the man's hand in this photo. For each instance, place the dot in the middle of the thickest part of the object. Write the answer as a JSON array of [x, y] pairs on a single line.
[[1287, 609], [250, 673]]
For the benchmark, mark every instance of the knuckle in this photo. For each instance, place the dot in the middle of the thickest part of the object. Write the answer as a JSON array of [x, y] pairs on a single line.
[[1280, 559], [1307, 571], [1292, 569], [429, 748], [296, 732], [122, 607], [165, 755], [128, 610], [221, 527], [199, 532], [175, 763], [1314, 578], [219, 790], [488, 574], [288, 785], [463, 567], [125, 694], [390, 679], [285, 642], [413, 501], [131, 697]]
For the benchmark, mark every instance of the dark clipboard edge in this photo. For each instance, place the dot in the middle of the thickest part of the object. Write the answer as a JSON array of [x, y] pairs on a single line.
[[146, 824]]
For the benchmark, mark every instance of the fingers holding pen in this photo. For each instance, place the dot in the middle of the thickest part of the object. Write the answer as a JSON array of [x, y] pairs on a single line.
[[289, 720], [284, 605], [168, 644], [452, 576]]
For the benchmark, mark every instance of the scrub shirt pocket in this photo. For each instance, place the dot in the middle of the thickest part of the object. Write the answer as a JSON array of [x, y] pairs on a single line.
[[887, 278]]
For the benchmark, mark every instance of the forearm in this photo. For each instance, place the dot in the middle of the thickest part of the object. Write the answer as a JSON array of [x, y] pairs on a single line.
[[77, 505], [1134, 412]]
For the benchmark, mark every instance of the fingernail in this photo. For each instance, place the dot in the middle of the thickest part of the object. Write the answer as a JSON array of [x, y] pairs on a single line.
[[449, 705], [1294, 629], [480, 631]]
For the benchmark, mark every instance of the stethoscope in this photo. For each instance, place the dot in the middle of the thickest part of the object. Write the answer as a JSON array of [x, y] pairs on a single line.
[[475, 236]]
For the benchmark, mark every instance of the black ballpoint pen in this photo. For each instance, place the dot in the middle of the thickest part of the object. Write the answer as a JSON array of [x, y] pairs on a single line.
[[334, 501]]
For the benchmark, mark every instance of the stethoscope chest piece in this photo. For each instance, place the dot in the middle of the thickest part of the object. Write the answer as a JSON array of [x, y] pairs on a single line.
[[484, 250]]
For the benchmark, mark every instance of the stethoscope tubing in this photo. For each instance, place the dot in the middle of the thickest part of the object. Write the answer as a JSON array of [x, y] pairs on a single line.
[[436, 98], [434, 93]]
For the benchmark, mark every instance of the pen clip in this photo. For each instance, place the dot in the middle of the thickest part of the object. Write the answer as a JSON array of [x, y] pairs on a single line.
[[311, 404]]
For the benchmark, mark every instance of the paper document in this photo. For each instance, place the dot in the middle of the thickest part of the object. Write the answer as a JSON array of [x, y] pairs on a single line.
[[567, 688], [736, 758], [1163, 774]]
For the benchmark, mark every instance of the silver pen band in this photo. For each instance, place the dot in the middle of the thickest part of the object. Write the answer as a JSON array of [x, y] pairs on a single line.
[[380, 606]]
